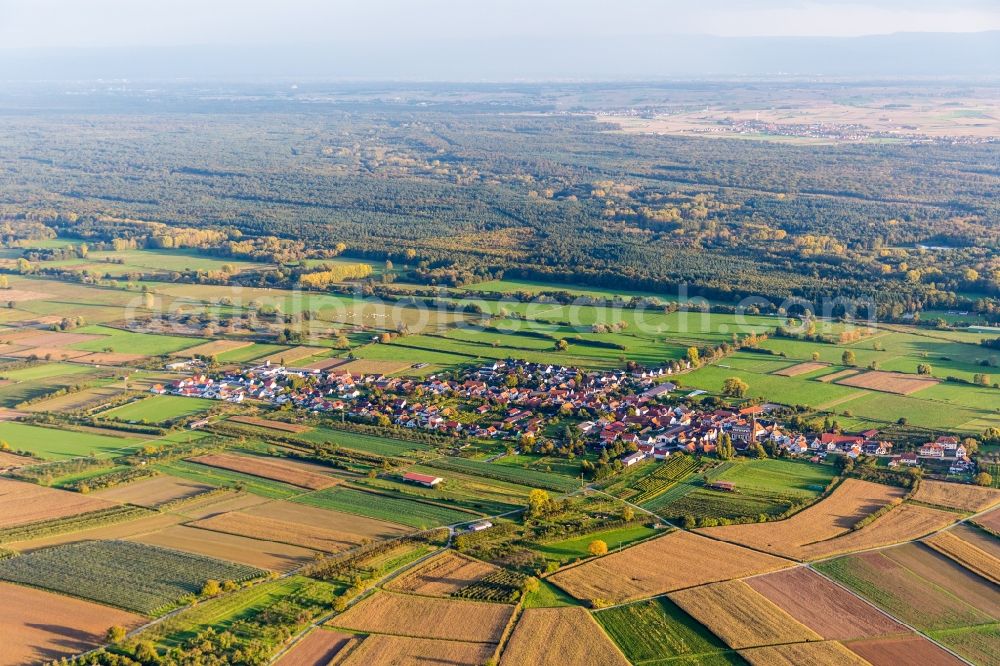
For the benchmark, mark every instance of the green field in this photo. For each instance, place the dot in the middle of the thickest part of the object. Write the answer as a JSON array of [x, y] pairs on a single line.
[[570, 549], [133, 576], [657, 630], [159, 408], [519, 475], [56, 444], [254, 351], [214, 476], [222, 613], [548, 596], [127, 342], [46, 371], [383, 507], [383, 446]]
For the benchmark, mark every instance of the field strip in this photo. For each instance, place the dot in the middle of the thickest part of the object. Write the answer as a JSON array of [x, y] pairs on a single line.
[[839, 401], [889, 615]]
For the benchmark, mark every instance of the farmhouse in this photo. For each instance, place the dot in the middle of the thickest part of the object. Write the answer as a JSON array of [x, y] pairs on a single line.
[[422, 479]]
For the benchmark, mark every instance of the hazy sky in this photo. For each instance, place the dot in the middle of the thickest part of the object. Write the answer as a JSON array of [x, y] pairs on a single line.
[[84, 23]]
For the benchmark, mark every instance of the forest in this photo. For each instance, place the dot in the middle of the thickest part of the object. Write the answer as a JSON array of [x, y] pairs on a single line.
[[462, 192]]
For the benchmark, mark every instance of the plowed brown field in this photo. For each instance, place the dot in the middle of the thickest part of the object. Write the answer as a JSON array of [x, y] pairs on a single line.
[[403, 651], [316, 649], [283, 531], [827, 653], [910, 649], [268, 468], [443, 575], [24, 503]]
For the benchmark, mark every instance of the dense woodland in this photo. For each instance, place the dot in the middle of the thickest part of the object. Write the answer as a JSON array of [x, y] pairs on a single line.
[[463, 192]]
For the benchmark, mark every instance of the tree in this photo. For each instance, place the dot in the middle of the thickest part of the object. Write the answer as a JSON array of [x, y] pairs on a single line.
[[735, 387], [923, 369], [597, 547], [538, 503], [848, 358], [724, 447], [693, 356], [628, 514], [815, 356], [211, 588], [530, 585], [561, 344], [116, 634], [983, 479]]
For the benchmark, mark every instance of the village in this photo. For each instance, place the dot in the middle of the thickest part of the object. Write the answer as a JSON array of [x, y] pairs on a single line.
[[634, 414]]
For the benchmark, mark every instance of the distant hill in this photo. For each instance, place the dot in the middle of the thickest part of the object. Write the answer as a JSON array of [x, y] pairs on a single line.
[[902, 54]]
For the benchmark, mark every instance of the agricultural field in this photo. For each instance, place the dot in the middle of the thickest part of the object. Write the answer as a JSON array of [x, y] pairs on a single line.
[[135, 577], [626, 576], [741, 617], [159, 408], [418, 514], [967, 554], [250, 552], [552, 636], [829, 518], [793, 654], [962, 497], [382, 446], [918, 586], [904, 649], [283, 531], [443, 575], [822, 606], [25, 503], [224, 478], [570, 549], [154, 491], [119, 341], [287, 471], [426, 617], [319, 646], [386, 649], [59, 444], [657, 629], [39, 627]]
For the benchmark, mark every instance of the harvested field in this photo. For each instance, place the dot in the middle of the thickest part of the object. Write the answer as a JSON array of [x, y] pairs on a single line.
[[851, 501], [827, 653], [957, 495], [261, 554], [123, 530], [214, 505], [443, 575], [554, 636], [741, 617], [153, 492], [290, 356], [268, 468], [628, 575], [978, 537], [19, 295], [888, 382], [824, 607], [53, 353], [373, 367], [12, 461], [39, 627], [911, 649], [834, 376], [967, 554], [402, 651], [109, 358], [326, 363], [904, 523], [333, 520], [52, 339], [318, 648], [25, 503], [800, 369], [92, 397], [423, 617], [282, 531], [267, 423], [212, 348], [990, 521]]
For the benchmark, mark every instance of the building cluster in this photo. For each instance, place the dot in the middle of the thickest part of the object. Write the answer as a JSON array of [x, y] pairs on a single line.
[[516, 401]]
